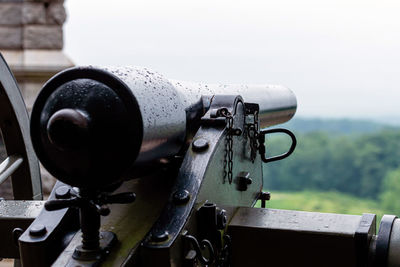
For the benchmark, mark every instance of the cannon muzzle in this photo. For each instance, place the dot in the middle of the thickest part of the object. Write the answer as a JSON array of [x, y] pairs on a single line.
[[89, 125]]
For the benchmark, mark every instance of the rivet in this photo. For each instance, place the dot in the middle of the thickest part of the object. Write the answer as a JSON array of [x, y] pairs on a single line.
[[200, 144], [181, 196], [63, 192], [37, 230], [160, 236]]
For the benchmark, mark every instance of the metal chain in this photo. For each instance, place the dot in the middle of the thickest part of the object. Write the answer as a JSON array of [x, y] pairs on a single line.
[[252, 133], [228, 157], [230, 149]]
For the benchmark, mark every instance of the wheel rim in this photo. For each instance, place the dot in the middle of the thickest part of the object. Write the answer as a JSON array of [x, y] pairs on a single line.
[[21, 162]]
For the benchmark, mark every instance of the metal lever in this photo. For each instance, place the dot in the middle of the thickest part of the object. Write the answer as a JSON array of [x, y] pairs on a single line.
[[279, 157], [121, 198], [59, 204], [91, 206]]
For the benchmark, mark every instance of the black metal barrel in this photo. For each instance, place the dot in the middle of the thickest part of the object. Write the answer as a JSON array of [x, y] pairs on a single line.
[[90, 124]]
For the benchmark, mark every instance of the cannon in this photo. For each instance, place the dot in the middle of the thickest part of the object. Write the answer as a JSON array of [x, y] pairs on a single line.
[[158, 172]]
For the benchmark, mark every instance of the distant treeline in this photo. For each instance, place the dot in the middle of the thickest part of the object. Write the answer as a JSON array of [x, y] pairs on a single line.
[[356, 164], [336, 126]]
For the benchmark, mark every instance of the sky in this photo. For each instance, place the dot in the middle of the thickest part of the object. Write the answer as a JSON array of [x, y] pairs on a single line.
[[340, 57]]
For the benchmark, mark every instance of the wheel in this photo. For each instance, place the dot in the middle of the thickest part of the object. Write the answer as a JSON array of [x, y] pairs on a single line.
[[21, 163]]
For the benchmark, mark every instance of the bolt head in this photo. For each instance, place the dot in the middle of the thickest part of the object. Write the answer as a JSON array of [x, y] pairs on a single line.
[[181, 196], [200, 145], [243, 181], [265, 196], [37, 230], [159, 236], [63, 192]]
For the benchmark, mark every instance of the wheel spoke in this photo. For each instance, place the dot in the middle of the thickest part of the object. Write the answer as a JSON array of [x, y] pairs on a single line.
[[9, 166]]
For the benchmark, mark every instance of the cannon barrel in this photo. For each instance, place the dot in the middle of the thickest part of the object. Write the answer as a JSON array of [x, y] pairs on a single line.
[[90, 124]]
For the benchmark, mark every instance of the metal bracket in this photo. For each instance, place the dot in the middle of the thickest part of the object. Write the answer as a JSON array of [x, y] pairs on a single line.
[[219, 104], [362, 238], [198, 247], [279, 157], [16, 216], [48, 235]]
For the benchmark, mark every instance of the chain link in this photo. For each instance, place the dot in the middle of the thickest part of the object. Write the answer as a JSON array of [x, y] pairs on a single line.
[[252, 133], [228, 156], [230, 149]]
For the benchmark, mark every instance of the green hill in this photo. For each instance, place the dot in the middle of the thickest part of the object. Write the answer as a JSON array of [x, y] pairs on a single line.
[[331, 202], [334, 126]]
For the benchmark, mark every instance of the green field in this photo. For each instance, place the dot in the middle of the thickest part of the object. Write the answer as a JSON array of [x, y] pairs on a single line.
[[332, 202]]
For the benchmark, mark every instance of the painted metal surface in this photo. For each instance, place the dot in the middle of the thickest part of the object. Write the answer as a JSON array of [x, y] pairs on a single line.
[[363, 237], [215, 188], [163, 113], [278, 104], [393, 259], [15, 214], [383, 241], [132, 222], [163, 109], [41, 247], [9, 166], [14, 124], [292, 238], [201, 174]]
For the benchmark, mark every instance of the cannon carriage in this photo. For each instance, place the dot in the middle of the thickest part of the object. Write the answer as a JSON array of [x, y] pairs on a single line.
[[157, 172]]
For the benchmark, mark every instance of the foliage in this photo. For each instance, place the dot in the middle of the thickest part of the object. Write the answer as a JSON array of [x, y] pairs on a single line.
[[332, 202], [391, 192], [335, 126], [352, 164]]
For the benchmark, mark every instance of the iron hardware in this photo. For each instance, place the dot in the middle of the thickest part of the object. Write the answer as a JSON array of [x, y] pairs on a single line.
[[279, 157], [204, 244], [264, 196], [253, 128], [243, 181]]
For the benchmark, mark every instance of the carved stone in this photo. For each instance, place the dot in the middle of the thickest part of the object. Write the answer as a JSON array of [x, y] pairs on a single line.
[[11, 37], [56, 13], [33, 13], [31, 39], [10, 13], [42, 37]]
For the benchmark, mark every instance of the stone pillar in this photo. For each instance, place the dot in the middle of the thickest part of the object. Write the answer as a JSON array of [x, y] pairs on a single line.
[[31, 40]]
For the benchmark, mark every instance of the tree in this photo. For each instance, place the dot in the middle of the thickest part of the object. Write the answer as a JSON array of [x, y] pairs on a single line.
[[391, 191]]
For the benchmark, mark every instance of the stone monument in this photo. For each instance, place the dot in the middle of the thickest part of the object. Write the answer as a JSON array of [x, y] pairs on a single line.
[[31, 40]]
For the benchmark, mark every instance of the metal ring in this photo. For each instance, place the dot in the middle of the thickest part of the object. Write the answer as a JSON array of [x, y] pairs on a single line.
[[279, 157], [383, 240]]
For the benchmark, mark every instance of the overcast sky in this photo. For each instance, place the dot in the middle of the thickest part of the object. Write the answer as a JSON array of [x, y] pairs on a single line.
[[340, 57]]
